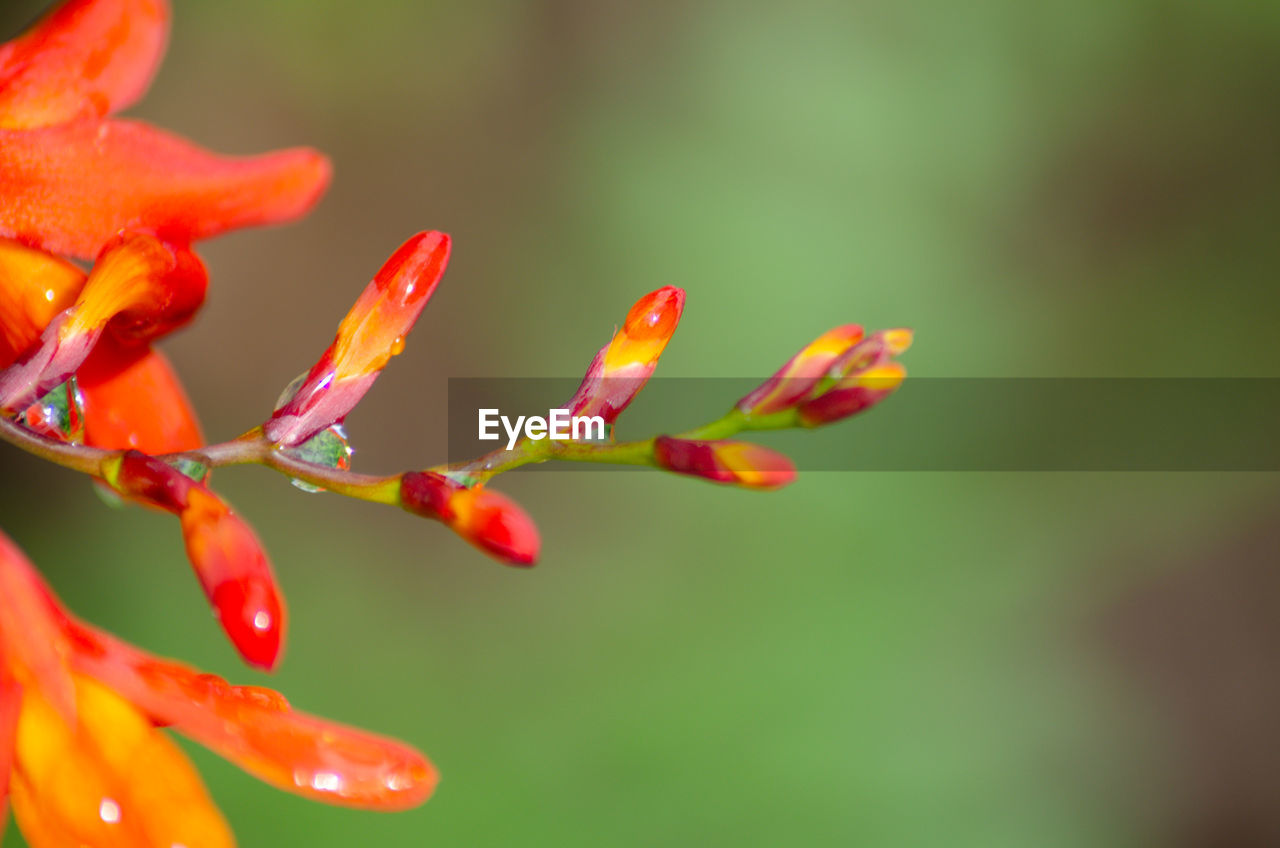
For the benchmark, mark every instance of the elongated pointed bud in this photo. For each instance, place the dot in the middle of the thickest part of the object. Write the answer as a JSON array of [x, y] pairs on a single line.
[[802, 372], [371, 333], [225, 553], [733, 463], [621, 368], [485, 518], [140, 286]]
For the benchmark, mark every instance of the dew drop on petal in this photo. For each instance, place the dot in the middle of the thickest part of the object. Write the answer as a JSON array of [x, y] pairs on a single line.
[[109, 811]]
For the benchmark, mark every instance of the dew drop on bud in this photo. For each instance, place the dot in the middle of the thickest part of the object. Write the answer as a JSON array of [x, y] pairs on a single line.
[[290, 390]]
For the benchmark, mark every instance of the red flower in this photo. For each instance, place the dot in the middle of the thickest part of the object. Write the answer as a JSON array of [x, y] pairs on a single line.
[[72, 179], [83, 758]]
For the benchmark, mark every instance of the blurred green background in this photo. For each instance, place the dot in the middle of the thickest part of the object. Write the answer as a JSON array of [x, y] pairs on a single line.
[[1048, 189]]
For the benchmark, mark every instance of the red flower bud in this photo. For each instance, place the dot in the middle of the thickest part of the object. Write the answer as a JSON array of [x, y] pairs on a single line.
[[224, 552], [801, 372], [734, 463], [371, 333], [853, 394], [486, 519]]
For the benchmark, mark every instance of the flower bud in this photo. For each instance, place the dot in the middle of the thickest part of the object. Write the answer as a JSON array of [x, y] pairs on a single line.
[[801, 373], [490, 521], [734, 463], [371, 333], [621, 368], [225, 554]]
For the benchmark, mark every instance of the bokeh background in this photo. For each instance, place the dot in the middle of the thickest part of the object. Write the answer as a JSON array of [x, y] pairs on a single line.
[[1046, 189]]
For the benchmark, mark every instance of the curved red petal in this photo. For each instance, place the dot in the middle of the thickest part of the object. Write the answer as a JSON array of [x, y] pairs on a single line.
[[84, 59], [70, 188], [133, 399]]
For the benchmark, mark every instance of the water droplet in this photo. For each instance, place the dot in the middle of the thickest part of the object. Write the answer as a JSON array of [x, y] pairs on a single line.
[[58, 415], [290, 390], [397, 346], [109, 811], [329, 448]]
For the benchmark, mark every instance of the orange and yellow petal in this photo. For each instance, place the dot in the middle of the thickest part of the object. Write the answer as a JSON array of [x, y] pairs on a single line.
[[69, 188], [111, 779], [84, 59], [140, 287], [259, 731], [34, 287]]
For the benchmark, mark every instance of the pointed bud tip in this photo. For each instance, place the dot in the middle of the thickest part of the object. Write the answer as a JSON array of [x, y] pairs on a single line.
[[253, 616]]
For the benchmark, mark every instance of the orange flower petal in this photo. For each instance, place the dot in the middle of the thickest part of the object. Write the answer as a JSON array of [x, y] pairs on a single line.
[[133, 399], [34, 287], [10, 706], [109, 779], [33, 642], [84, 59], [70, 188], [257, 730]]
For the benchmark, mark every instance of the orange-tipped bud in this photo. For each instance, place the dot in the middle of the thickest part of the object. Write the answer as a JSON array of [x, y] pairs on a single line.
[[490, 521], [802, 372], [621, 368], [225, 553], [733, 463], [858, 391], [84, 59], [140, 285], [371, 333]]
